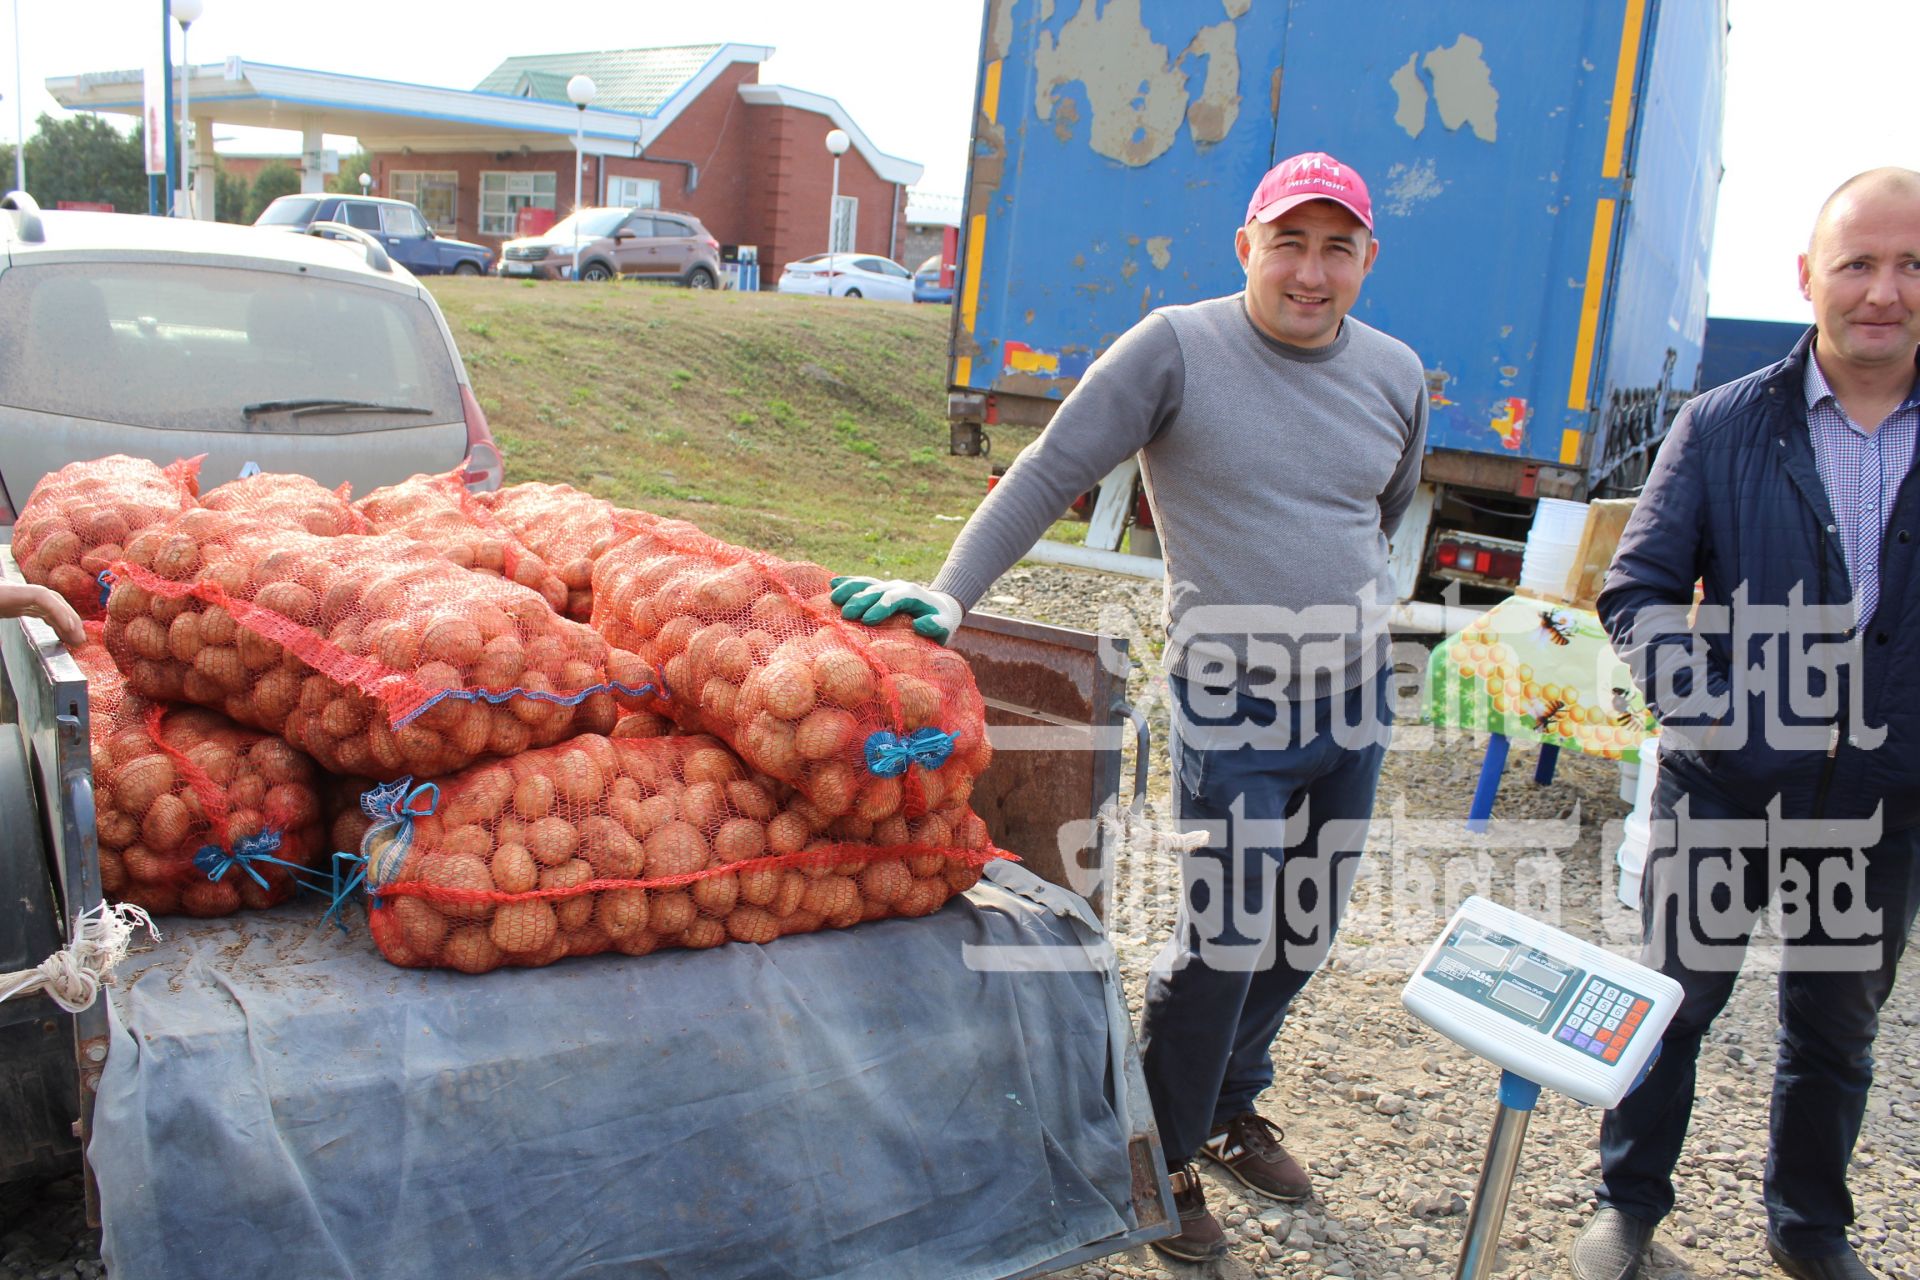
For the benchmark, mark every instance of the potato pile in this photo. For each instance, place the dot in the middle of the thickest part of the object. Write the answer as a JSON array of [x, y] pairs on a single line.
[[440, 512], [78, 519], [375, 655], [289, 502], [566, 528], [176, 784], [633, 845], [751, 651]]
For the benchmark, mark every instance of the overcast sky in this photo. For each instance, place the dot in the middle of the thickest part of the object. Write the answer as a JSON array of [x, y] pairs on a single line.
[[1815, 92]]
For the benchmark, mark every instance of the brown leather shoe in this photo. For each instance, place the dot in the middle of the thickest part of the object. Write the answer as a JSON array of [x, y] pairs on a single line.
[[1200, 1238], [1248, 1147]]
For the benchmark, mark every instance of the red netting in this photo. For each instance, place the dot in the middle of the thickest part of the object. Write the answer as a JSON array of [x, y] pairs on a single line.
[[441, 512], [347, 822], [608, 844], [865, 721], [290, 502], [564, 527], [79, 518], [195, 814], [375, 655]]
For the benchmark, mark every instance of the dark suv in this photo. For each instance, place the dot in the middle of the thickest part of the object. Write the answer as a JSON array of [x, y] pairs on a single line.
[[645, 244], [398, 225]]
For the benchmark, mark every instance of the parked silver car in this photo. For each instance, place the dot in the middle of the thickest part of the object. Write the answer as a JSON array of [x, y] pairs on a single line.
[[165, 338]]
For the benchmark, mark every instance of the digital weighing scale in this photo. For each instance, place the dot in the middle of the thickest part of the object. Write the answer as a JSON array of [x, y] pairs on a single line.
[[1548, 1009]]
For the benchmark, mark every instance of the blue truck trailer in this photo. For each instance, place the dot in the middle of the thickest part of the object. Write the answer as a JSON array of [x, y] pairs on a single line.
[[1543, 178]]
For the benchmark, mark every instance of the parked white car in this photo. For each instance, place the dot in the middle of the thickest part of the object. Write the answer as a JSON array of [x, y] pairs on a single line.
[[848, 275]]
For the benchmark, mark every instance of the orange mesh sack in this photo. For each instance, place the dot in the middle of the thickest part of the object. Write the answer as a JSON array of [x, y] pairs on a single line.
[[865, 721], [290, 502], [347, 821], [564, 527], [375, 655], [440, 512], [79, 518], [195, 814], [632, 845]]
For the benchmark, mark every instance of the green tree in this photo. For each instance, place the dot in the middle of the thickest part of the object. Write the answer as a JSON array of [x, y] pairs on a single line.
[[86, 159], [347, 181], [276, 178], [229, 196]]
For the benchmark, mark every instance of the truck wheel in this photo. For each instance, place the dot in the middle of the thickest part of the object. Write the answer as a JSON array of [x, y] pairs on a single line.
[[466, 268], [596, 272], [700, 278]]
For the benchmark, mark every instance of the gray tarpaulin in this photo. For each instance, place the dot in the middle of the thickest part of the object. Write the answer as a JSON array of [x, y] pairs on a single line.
[[278, 1100]]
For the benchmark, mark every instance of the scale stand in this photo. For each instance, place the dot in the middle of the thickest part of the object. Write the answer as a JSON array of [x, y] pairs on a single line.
[[1489, 1212], [1548, 1009]]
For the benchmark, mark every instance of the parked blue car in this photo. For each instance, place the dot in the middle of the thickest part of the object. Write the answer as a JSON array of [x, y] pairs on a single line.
[[395, 223], [926, 283]]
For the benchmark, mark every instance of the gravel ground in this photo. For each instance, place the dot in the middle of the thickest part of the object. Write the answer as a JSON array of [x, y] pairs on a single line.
[[1391, 1119]]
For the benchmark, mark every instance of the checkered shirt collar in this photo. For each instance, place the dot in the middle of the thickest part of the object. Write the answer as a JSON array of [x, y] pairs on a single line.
[[1816, 387]]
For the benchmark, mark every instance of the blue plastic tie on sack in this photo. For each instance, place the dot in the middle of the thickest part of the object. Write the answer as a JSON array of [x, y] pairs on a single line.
[[394, 801], [106, 586], [498, 696], [248, 850], [342, 893], [393, 806], [889, 755]]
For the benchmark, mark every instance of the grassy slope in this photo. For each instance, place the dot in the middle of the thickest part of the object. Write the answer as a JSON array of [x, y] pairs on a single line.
[[812, 428]]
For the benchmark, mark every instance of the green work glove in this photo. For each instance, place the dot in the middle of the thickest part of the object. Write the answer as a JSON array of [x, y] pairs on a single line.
[[935, 614]]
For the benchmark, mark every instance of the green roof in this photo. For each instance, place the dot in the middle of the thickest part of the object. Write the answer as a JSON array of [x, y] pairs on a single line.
[[633, 80]]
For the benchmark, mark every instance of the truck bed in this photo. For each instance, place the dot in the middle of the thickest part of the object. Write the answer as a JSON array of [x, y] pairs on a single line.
[[855, 1103]]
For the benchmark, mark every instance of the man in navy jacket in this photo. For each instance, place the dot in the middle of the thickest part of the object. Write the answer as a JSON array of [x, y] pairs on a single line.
[[1790, 710]]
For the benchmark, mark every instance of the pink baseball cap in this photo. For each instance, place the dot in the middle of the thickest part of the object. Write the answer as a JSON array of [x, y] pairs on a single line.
[[1311, 175]]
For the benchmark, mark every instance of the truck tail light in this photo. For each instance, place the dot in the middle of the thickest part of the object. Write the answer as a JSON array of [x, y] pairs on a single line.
[[485, 468], [1506, 565], [1447, 555]]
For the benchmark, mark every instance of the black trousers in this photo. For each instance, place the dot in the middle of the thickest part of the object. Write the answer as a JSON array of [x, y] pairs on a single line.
[[1845, 917]]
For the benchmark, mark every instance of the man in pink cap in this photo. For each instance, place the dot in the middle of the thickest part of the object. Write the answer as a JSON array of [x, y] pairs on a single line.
[[1280, 440]]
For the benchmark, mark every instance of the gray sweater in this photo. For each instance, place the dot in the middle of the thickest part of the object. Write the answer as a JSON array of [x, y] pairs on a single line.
[[1276, 473]]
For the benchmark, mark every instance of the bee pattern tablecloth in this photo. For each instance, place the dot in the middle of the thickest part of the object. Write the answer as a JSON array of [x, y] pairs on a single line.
[[1539, 672]]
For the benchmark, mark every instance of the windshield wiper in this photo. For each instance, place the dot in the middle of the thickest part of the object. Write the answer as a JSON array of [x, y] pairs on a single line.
[[301, 408]]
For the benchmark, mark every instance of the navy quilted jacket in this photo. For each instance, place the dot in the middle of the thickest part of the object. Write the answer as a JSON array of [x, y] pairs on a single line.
[[1823, 719]]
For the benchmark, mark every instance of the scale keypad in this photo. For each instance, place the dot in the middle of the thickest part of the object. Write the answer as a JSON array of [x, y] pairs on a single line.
[[1602, 1020]]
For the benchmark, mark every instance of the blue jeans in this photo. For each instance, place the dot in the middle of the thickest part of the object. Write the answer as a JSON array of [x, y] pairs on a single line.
[[1287, 818], [1698, 906]]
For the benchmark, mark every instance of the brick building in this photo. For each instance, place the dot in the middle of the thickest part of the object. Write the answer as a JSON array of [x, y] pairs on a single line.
[[689, 128]]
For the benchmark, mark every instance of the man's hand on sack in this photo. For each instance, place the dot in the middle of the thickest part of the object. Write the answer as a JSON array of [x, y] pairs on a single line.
[[935, 614]]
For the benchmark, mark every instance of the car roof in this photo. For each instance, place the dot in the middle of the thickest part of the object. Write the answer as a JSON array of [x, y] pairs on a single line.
[[73, 236], [342, 195]]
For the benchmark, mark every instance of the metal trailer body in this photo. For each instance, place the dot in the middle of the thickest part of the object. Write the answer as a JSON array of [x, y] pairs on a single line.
[[1736, 348], [1056, 711], [1543, 180]]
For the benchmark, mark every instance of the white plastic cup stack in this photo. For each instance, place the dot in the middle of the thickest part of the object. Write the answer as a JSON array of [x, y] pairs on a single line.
[[1631, 857], [1552, 543]]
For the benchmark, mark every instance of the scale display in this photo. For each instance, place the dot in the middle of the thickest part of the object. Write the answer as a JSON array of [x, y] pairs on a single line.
[[1541, 1003]]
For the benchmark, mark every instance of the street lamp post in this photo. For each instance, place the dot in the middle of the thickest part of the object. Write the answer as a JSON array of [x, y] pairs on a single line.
[[837, 144], [580, 91], [19, 110], [366, 183], [186, 13]]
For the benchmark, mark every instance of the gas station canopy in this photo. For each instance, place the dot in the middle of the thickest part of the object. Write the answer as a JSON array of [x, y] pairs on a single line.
[[387, 116]]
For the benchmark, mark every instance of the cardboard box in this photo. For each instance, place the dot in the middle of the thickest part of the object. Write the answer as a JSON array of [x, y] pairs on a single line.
[[1606, 517]]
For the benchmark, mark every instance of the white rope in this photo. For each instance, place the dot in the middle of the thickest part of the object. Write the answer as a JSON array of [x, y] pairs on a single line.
[[72, 975], [1136, 831]]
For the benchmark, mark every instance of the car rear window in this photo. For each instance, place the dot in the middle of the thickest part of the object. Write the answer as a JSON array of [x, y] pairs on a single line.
[[287, 211], [187, 347]]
